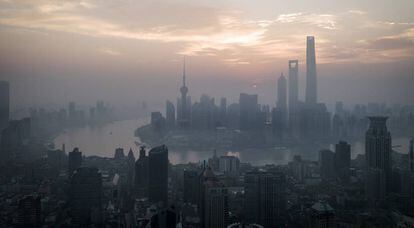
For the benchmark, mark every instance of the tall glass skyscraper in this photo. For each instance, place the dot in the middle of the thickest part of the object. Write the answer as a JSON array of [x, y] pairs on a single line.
[[311, 83]]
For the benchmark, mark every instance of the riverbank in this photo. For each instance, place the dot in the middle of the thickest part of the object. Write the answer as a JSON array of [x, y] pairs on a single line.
[[102, 140]]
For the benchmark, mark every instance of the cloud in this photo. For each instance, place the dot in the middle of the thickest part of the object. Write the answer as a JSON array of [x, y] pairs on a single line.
[[109, 51], [325, 21], [357, 12], [386, 43], [388, 48], [220, 33]]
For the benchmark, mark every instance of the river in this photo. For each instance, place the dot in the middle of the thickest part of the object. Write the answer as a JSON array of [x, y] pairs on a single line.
[[103, 140]]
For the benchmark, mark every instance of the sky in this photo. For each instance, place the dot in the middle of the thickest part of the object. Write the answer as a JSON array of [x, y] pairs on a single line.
[[124, 51]]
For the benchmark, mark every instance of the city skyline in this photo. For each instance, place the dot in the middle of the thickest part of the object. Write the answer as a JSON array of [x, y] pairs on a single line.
[[206, 113]]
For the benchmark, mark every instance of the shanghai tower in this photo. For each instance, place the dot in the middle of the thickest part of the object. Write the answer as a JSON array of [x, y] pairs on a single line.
[[311, 84]]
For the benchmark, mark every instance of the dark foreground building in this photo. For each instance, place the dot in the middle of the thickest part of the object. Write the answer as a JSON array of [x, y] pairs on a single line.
[[378, 158], [158, 175], [86, 197], [265, 198]]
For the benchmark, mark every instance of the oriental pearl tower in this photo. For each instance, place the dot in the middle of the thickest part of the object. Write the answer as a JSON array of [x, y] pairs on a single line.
[[184, 120]]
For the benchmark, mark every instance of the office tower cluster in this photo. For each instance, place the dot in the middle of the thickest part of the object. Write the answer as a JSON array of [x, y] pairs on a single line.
[[207, 123], [291, 119], [309, 119], [221, 193], [98, 114]]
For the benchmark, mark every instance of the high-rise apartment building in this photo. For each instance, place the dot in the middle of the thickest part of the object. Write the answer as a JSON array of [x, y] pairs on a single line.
[[158, 174]]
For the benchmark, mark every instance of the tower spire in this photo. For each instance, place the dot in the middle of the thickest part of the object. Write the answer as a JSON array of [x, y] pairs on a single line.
[[184, 115]]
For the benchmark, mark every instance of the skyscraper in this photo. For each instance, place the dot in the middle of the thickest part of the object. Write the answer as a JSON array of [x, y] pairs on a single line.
[[170, 114], [293, 84], [204, 113], [214, 162], [157, 121], [75, 160], [184, 119], [311, 83], [282, 92], [14, 137], [213, 202], [141, 174], [131, 156], [265, 197], [249, 109], [86, 196], [223, 111], [190, 186], [281, 103], [4, 103], [293, 98], [339, 108], [412, 155], [164, 218], [72, 111], [378, 143], [327, 163], [158, 174], [229, 165], [29, 212], [119, 153], [342, 159], [378, 147], [131, 170], [375, 184], [216, 206], [321, 214]]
